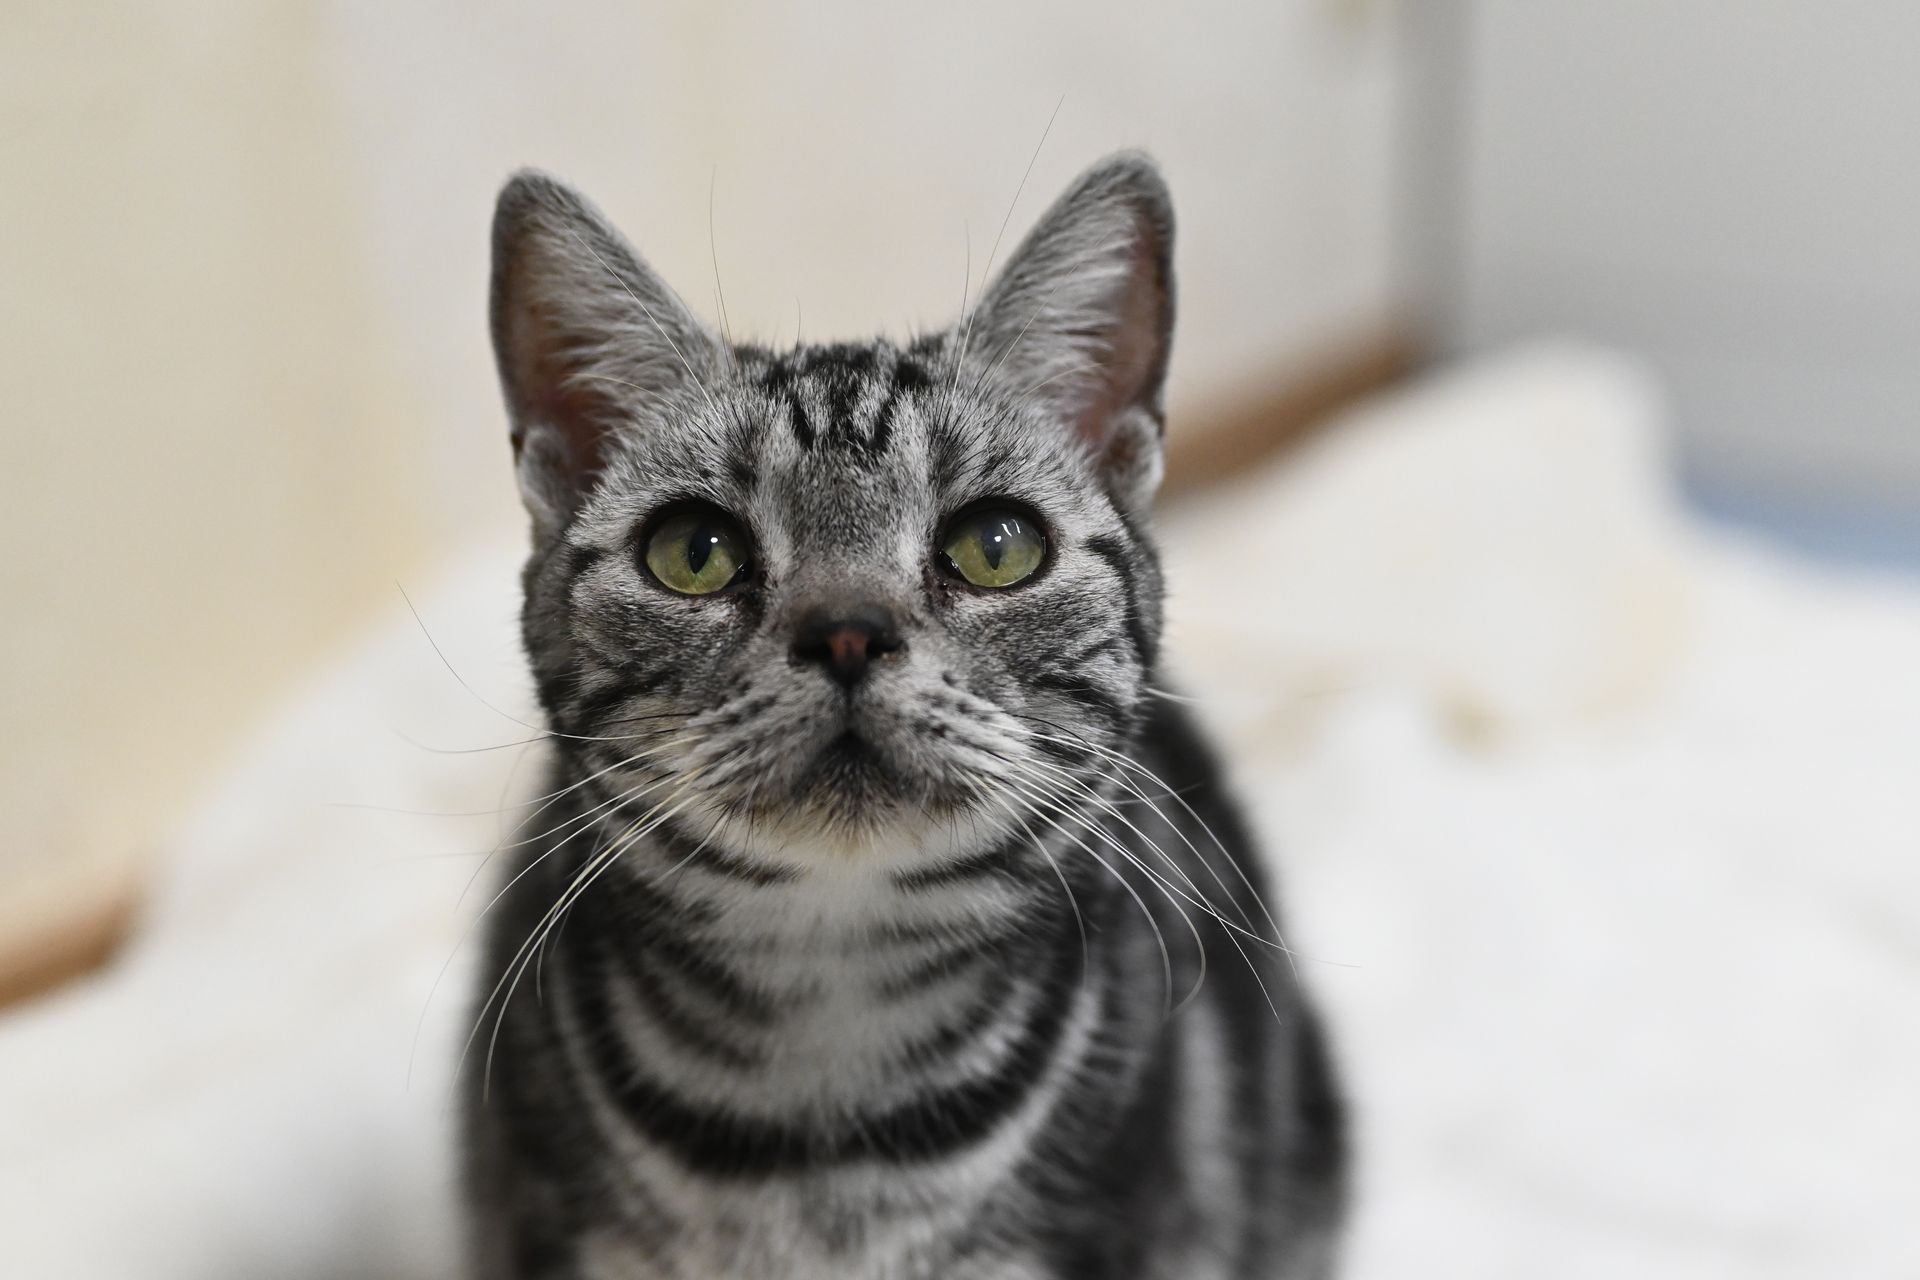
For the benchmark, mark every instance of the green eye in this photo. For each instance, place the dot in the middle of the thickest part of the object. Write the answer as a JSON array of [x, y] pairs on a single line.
[[697, 552], [994, 548]]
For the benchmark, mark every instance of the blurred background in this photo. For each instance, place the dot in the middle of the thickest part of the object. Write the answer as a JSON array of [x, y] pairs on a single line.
[[242, 288]]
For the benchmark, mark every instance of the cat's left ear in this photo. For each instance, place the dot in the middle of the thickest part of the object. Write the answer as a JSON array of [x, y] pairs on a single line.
[[1081, 320]]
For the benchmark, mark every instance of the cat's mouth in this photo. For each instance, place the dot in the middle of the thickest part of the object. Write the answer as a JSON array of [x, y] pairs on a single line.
[[848, 750], [851, 760], [851, 766], [854, 769]]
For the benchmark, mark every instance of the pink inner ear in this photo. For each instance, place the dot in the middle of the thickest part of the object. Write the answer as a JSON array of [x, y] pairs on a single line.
[[576, 417], [1130, 372], [573, 415]]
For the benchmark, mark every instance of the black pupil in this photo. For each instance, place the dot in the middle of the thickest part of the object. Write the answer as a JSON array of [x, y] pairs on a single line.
[[700, 545], [995, 538]]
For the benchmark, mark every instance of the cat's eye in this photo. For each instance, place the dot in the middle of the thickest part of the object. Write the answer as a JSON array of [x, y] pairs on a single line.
[[697, 551], [994, 547]]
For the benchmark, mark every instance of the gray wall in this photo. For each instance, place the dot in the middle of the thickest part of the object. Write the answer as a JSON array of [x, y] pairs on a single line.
[[1730, 188]]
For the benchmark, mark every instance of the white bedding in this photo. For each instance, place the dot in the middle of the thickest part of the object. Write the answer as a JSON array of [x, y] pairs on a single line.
[[1601, 831]]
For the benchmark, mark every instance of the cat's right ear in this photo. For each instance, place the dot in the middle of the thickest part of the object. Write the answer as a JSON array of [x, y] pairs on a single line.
[[588, 340]]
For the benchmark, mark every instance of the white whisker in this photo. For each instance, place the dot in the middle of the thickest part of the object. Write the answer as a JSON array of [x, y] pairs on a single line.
[[966, 324]]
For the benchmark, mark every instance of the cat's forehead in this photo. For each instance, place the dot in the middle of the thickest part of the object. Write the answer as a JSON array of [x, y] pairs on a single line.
[[818, 438], [835, 420], [889, 426], [843, 395]]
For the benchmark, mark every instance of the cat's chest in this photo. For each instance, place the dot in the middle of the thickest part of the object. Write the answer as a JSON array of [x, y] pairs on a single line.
[[851, 999], [780, 1234]]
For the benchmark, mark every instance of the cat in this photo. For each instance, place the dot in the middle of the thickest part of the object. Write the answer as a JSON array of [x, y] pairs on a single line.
[[888, 918]]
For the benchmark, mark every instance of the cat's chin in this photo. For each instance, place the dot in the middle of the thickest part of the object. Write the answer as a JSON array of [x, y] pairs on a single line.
[[851, 806], [856, 780], [905, 840]]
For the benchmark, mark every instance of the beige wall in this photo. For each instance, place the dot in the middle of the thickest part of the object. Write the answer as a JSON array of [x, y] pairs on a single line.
[[243, 258], [211, 464]]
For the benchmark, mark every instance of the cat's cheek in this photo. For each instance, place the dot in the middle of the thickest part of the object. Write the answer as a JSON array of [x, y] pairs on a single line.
[[683, 644]]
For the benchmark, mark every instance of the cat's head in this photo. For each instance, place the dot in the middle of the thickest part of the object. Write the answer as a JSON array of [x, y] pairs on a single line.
[[855, 597]]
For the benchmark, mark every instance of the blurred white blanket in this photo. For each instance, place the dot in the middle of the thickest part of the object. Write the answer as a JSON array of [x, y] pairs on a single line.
[[1604, 835]]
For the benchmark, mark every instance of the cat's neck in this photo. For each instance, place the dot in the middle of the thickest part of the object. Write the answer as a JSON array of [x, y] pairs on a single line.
[[823, 981]]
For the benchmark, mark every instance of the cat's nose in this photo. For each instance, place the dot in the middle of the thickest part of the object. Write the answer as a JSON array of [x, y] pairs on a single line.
[[846, 640]]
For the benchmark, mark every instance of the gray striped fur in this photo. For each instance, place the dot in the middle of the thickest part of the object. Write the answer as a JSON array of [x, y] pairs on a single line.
[[869, 981]]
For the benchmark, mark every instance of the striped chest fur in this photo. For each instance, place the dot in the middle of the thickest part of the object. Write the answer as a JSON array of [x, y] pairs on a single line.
[[882, 917]]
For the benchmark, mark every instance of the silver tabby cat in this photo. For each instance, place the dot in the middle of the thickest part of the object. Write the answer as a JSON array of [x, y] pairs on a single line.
[[887, 919]]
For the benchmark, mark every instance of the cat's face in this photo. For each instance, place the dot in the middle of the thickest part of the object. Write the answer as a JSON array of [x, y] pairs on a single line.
[[850, 598]]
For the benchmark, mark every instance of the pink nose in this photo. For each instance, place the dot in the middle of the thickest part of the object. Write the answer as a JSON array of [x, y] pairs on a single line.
[[848, 647], [846, 640]]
